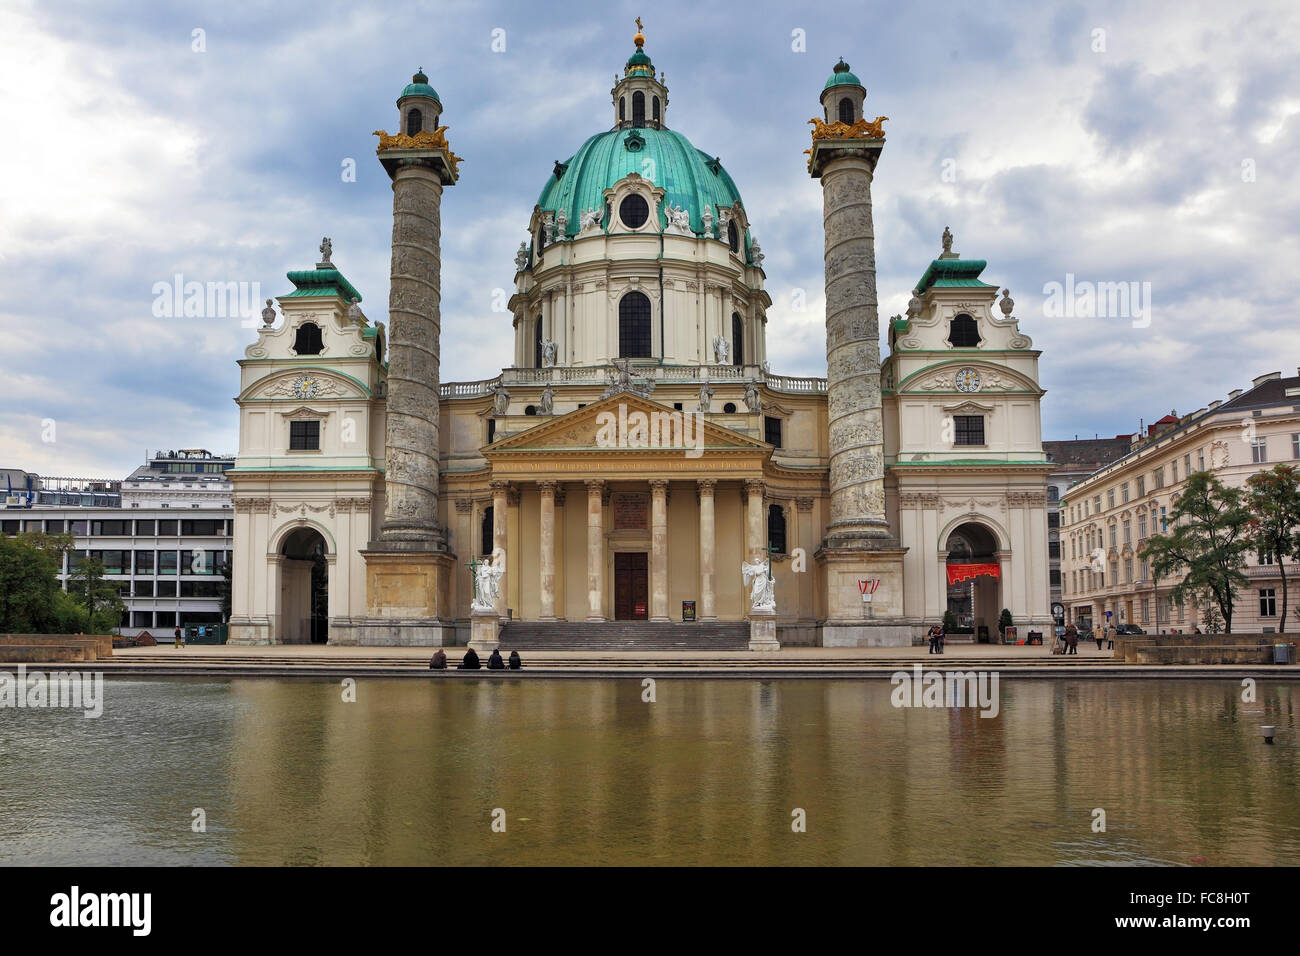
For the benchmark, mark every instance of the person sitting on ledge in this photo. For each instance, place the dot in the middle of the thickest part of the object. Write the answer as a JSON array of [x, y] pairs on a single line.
[[439, 660], [515, 662], [470, 663], [495, 663]]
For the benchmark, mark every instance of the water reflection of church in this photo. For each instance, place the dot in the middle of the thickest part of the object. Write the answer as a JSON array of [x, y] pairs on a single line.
[[639, 252]]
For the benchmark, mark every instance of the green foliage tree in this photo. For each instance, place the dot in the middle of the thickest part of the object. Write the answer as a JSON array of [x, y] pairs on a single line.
[[1005, 621], [949, 622], [28, 585], [100, 598], [1206, 543], [224, 590], [1273, 500]]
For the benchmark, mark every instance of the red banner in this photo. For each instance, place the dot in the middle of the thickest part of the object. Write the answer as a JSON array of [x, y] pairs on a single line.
[[964, 572]]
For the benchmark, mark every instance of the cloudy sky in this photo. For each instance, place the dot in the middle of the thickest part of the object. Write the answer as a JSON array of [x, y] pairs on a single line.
[[1158, 145]]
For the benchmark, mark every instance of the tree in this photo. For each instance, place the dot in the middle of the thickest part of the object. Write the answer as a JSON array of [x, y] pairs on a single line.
[[224, 590], [949, 622], [103, 604], [1206, 542], [28, 584], [1273, 499]]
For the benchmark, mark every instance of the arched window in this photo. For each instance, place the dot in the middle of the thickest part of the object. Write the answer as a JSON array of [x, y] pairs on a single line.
[[737, 339], [622, 108], [733, 235], [963, 332], [308, 340], [634, 326], [776, 528], [846, 111], [537, 343], [654, 108], [414, 122], [638, 108], [485, 533], [541, 239]]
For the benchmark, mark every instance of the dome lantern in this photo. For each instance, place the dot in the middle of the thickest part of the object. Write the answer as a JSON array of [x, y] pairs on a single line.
[[418, 107], [843, 95], [639, 99]]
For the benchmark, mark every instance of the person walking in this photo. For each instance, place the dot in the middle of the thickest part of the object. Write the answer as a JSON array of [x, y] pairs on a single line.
[[1110, 637], [1072, 641], [178, 638]]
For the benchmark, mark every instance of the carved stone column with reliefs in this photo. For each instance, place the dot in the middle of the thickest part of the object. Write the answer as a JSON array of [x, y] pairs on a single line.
[[858, 543], [500, 535]]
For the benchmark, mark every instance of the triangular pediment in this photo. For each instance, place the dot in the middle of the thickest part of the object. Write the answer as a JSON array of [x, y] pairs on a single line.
[[626, 423]]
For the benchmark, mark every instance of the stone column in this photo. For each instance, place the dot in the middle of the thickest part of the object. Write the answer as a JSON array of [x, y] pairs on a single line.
[[708, 573], [659, 550], [500, 515], [411, 473], [857, 475], [754, 542], [595, 550], [546, 544]]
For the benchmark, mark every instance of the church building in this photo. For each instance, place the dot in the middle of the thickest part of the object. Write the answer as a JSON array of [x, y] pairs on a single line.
[[639, 472]]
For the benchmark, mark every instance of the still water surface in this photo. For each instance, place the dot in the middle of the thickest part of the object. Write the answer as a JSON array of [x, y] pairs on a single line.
[[588, 773]]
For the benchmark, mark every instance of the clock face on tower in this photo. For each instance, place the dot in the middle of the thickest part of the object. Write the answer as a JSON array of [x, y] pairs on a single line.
[[968, 380], [305, 387]]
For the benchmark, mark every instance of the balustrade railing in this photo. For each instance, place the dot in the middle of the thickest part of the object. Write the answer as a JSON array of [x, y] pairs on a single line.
[[659, 374]]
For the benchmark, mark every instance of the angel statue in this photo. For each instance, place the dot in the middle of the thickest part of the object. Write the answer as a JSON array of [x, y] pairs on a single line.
[[721, 350], [590, 219], [487, 582], [758, 578], [500, 400], [548, 353]]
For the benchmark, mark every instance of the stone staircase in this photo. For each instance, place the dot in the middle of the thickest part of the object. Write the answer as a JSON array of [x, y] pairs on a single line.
[[624, 636]]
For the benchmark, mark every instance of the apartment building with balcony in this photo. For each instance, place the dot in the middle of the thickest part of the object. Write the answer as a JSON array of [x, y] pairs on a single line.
[[1107, 517]]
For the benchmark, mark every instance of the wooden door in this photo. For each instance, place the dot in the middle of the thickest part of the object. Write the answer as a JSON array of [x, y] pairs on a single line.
[[631, 586]]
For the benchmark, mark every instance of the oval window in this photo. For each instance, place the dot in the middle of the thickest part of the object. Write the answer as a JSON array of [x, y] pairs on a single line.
[[634, 211]]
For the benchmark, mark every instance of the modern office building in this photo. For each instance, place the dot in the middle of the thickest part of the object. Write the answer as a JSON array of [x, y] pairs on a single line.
[[163, 533]]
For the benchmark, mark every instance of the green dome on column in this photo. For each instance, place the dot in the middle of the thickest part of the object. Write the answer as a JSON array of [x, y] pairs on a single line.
[[419, 86], [842, 76]]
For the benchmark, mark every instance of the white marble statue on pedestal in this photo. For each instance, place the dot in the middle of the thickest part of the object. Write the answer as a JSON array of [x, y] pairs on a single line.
[[548, 353], [487, 582], [762, 590], [721, 350]]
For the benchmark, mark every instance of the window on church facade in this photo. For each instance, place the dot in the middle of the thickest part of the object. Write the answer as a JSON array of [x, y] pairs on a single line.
[[968, 430], [733, 236], [413, 122], [776, 528], [638, 109], [308, 340], [634, 325], [491, 430], [622, 109], [485, 532], [737, 339], [537, 343], [846, 111], [772, 430], [654, 109], [963, 332], [304, 436]]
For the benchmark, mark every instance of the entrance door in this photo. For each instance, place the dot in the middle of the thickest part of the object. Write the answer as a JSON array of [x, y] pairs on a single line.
[[631, 586]]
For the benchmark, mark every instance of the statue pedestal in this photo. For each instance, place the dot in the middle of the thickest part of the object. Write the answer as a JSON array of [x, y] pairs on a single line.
[[484, 629], [762, 631], [852, 622]]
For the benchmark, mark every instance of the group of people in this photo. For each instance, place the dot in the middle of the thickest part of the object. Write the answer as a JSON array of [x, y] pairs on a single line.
[[1102, 634], [470, 662], [936, 637]]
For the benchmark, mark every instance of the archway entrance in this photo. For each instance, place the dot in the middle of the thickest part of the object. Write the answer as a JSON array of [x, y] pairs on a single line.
[[304, 589], [974, 580]]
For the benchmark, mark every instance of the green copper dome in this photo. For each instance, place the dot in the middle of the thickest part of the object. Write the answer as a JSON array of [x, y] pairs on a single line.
[[690, 177], [638, 64], [842, 76], [419, 86]]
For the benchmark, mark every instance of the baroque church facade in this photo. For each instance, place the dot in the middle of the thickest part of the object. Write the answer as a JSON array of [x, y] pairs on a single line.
[[638, 449]]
